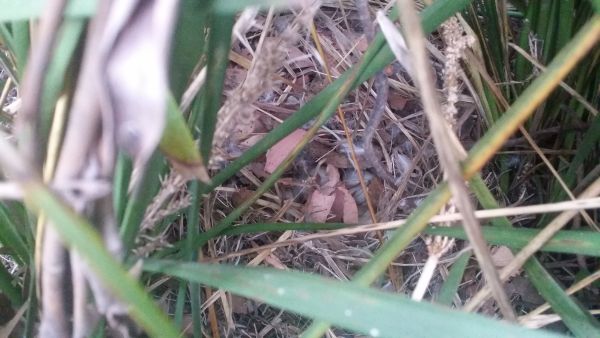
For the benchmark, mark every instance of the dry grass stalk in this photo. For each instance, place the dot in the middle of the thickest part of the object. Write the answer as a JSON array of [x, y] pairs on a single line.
[[437, 246], [237, 110], [163, 205], [455, 42]]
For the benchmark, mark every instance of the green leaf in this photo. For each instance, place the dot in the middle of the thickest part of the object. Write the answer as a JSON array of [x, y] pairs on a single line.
[[141, 197], [8, 288], [10, 237], [67, 41], [178, 145], [16, 10], [565, 241], [361, 309], [79, 235], [455, 276], [204, 119]]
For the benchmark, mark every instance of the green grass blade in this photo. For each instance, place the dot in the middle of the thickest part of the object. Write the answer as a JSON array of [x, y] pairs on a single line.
[[122, 176], [68, 39], [188, 43], [16, 10], [80, 235], [573, 314], [11, 239], [193, 221], [136, 206], [565, 241], [20, 34], [219, 44], [579, 242], [9, 289], [178, 145], [450, 286], [361, 309]]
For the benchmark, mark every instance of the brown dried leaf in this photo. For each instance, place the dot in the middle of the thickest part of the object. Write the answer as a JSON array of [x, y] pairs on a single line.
[[282, 149], [240, 196], [344, 207], [331, 181], [396, 100], [319, 206]]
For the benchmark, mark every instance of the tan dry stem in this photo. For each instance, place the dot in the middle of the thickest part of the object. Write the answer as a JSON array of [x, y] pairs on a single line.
[[448, 154]]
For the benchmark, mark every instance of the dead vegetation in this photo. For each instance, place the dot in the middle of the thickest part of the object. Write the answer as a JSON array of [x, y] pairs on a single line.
[[395, 139]]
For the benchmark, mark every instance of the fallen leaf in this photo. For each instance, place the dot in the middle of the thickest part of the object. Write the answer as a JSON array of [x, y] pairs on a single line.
[[282, 149], [396, 100], [319, 206], [376, 190], [250, 141], [240, 196], [344, 207], [332, 201], [332, 180]]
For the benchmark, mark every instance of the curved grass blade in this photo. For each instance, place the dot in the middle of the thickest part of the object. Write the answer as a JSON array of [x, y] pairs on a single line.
[[179, 147], [79, 235], [67, 41], [136, 207], [361, 309]]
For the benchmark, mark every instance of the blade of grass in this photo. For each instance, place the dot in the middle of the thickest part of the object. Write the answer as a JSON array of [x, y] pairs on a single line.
[[20, 37], [566, 241], [18, 10], [136, 206], [79, 235], [178, 145], [193, 221], [219, 42], [188, 43], [67, 40], [123, 169], [350, 306], [450, 286], [11, 239], [9, 289]]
